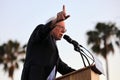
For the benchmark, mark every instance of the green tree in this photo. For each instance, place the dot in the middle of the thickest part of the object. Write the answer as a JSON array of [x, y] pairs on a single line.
[[103, 39], [10, 53]]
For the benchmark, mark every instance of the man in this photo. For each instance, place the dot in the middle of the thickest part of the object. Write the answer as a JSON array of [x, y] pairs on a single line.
[[42, 58]]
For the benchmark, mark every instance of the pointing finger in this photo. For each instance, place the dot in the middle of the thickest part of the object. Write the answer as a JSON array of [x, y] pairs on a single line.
[[64, 8]]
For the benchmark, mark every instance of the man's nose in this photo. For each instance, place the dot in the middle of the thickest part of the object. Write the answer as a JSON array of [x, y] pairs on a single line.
[[64, 30]]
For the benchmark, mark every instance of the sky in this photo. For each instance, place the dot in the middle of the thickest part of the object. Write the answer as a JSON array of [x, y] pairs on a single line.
[[18, 18]]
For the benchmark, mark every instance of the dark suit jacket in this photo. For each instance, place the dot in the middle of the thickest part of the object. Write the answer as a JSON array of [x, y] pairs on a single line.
[[42, 55]]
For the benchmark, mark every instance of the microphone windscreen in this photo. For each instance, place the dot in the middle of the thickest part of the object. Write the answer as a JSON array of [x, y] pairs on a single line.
[[66, 37]]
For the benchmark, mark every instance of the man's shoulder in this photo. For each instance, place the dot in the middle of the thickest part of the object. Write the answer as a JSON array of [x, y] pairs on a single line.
[[40, 26]]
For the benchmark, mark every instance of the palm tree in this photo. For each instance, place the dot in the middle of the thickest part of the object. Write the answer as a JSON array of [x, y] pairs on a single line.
[[101, 40], [10, 53]]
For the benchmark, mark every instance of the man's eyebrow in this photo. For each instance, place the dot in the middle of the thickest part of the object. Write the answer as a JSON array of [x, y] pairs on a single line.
[[59, 25]]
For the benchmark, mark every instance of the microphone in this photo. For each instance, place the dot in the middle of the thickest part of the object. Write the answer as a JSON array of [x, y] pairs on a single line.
[[67, 38], [76, 47], [97, 67]]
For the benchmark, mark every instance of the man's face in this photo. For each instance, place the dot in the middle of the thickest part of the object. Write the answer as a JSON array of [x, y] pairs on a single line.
[[59, 30]]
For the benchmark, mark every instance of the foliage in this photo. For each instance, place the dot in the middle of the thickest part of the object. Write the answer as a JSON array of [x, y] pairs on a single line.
[[10, 55], [101, 38]]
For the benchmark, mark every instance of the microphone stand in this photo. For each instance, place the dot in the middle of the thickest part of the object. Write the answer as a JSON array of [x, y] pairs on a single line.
[[89, 53], [77, 48]]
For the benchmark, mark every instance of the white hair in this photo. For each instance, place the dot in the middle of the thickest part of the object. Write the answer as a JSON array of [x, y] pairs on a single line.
[[50, 19]]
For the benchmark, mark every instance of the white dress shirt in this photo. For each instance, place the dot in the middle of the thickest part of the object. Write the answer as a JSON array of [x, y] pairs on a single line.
[[52, 74]]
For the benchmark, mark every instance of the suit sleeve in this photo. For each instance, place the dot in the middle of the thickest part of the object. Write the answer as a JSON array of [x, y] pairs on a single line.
[[63, 68], [41, 32]]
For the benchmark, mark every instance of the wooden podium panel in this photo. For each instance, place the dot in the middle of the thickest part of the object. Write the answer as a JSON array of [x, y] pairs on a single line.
[[81, 74]]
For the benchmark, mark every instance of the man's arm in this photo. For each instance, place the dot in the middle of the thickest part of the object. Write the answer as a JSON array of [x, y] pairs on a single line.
[[63, 68], [40, 32]]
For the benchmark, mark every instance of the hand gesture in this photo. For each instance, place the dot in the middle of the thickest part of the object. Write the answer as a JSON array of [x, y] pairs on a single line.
[[61, 16]]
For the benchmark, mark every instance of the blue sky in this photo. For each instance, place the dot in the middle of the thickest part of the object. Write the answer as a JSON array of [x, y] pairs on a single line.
[[18, 18]]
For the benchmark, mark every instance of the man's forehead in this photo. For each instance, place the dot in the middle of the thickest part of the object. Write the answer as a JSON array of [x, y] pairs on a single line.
[[60, 23]]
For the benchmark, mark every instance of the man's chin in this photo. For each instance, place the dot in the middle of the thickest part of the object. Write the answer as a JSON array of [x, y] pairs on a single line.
[[58, 38]]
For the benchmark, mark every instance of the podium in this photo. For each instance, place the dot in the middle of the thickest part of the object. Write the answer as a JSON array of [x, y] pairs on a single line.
[[82, 74], [90, 72]]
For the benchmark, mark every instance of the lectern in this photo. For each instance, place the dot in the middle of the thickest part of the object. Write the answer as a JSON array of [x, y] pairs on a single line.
[[82, 74]]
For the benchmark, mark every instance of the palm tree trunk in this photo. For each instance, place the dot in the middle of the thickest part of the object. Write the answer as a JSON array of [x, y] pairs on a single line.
[[105, 44], [107, 70]]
